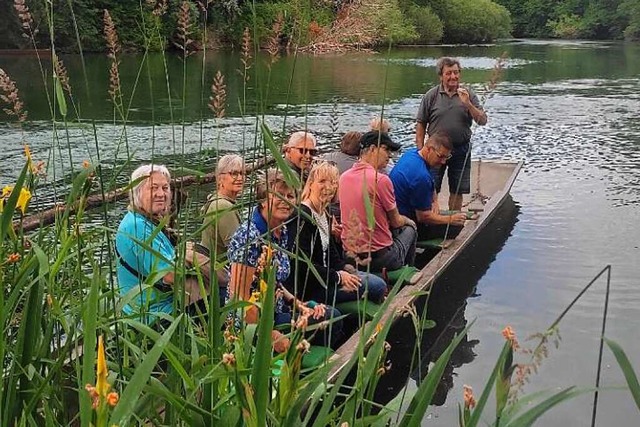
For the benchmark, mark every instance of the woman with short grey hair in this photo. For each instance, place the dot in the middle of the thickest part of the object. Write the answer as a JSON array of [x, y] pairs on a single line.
[[221, 217]]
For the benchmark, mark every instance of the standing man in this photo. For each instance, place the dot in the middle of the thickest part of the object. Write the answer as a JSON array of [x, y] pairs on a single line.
[[386, 238], [415, 192], [451, 109]]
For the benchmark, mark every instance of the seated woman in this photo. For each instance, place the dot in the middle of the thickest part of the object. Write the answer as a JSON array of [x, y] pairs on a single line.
[[266, 228], [146, 253], [221, 215], [340, 282]]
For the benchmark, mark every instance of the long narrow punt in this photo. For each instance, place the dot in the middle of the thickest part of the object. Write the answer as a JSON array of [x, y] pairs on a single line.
[[491, 182]]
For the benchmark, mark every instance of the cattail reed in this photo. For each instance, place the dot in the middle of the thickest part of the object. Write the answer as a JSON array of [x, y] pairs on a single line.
[[184, 26], [26, 20], [113, 48], [218, 98], [273, 45], [245, 56], [10, 96], [61, 74]]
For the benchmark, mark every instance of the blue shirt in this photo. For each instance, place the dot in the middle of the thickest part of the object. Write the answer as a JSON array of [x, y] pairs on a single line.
[[246, 244], [135, 229], [412, 184]]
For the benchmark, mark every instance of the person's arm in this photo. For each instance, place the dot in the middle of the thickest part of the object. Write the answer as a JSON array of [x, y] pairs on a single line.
[[473, 106], [430, 217], [396, 220], [421, 130]]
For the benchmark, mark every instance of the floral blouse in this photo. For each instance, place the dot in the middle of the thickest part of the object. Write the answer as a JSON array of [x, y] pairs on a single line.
[[245, 248]]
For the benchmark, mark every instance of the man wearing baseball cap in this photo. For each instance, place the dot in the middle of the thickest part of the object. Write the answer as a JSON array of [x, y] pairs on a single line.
[[382, 237]]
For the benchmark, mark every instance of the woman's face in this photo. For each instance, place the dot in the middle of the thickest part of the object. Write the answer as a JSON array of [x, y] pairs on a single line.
[[231, 182], [155, 195], [324, 188], [278, 206]]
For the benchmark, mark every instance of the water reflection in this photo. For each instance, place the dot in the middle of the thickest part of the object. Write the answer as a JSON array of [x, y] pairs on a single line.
[[446, 307]]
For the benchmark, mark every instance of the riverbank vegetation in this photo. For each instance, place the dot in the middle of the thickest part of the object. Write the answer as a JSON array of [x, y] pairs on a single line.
[[70, 356]]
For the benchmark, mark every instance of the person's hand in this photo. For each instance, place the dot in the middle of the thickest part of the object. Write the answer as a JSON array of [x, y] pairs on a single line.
[[280, 342], [318, 311], [350, 269], [458, 218], [349, 282], [464, 96], [411, 223], [336, 229]]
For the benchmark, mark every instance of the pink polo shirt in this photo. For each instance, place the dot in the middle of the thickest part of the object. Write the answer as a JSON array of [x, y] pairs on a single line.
[[362, 179]]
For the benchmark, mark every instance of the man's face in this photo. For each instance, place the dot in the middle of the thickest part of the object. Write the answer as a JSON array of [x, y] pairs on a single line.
[[437, 156], [450, 77], [302, 153], [155, 195]]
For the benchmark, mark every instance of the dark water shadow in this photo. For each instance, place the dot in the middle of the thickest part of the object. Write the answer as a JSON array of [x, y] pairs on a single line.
[[446, 307]]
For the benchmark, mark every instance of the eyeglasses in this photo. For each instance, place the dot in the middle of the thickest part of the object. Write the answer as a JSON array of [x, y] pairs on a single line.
[[310, 151], [235, 174], [441, 156]]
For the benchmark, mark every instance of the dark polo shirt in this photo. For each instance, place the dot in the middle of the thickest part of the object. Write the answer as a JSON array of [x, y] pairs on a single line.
[[447, 114]]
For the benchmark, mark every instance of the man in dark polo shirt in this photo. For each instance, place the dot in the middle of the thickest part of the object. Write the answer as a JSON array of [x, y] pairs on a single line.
[[451, 109]]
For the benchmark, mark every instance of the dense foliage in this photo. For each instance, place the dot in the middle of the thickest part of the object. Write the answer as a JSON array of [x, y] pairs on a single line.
[[590, 19], [368, 23]]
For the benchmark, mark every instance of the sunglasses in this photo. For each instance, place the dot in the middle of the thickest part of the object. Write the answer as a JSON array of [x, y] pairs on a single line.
[[310, 151]]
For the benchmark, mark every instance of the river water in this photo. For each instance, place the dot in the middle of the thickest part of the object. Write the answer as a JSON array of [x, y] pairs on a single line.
[[568, 109]]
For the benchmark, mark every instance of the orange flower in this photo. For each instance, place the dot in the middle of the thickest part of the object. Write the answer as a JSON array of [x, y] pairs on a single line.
[[509, 334], [229, 359], [86, 164], [93, 394], [112, 399], [469, 400], [13, 258]]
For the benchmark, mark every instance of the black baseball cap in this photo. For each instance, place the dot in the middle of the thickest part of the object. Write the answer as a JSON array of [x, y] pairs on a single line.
[[375, 137]]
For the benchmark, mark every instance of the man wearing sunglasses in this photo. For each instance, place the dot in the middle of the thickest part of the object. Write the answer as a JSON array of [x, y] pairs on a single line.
[[299, 152], [451, 109], [414, 188]]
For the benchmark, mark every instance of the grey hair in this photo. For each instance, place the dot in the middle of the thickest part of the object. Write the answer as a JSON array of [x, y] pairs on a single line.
[[272, 180], [298, 137], [228, 163], [446, 61], [144, 171]]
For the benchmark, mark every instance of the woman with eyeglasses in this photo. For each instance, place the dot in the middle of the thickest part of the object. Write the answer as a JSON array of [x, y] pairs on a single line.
[[300, 151], [338, 281], [264, 236], [221, 216]]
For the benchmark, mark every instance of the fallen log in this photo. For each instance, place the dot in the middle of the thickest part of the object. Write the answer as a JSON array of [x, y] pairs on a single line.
[[48, 216]]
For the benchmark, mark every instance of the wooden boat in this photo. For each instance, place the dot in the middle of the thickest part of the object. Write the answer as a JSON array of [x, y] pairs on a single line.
[[491, 182]]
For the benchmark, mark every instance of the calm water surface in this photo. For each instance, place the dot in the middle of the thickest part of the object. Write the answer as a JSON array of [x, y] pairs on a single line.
[[568, 109]]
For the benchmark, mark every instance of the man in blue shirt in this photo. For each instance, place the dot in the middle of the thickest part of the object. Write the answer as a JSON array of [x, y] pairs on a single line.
[[414, 188]]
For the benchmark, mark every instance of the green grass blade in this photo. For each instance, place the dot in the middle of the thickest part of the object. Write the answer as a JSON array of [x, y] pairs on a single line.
[[419, 404], [10, 204], [293, 180], [138, 381], [90, 325], [528, 418], [627, 370]]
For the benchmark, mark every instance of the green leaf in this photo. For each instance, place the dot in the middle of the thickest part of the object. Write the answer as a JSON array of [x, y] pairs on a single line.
[[293, 180], [10, 204], [419, 404], [627, 370], [62, 102], [138, 381], [528, 418], [368, 207]]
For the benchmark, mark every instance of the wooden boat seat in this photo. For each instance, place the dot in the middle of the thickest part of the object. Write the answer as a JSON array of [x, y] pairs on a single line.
[[394, 275], [316, 356], [366, 309]]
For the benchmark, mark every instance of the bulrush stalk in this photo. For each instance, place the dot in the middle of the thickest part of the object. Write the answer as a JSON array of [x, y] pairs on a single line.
[[26, 20], [273, 45], [61, 74], [113, 48], [184, 27], [9, 95], [218, 98]]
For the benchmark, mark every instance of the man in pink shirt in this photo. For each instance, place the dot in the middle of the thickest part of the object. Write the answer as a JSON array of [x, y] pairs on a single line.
[[389, 239]]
